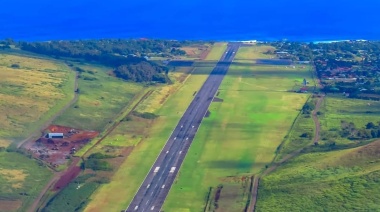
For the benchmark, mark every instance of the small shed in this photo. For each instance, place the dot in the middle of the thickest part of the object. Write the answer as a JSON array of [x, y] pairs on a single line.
[[54, 135]]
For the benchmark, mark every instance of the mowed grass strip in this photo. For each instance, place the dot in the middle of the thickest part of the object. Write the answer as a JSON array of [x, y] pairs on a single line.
[[31, 91], [242, 133], [116, 195]]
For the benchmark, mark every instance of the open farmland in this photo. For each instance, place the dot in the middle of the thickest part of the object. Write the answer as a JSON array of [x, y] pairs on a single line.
[[343, 180], [248, 120], [31, 91], [148, 145], [101, 98], [21, 180]]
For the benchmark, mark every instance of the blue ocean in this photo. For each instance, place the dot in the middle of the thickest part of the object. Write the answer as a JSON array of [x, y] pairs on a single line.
[[306, 20]]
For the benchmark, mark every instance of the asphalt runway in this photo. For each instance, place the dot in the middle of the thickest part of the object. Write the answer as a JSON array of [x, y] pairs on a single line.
[[153, 191]]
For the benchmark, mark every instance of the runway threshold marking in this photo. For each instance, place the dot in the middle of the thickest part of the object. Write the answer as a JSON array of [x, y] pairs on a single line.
[[163, 186], [136, 207], [152, 208], [156, 169], [148, 186]]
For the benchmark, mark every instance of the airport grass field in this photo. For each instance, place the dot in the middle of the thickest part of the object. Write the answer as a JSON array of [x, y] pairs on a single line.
[[116, 195], [299, 136], [32, 90], [101, 99], [253, 113]]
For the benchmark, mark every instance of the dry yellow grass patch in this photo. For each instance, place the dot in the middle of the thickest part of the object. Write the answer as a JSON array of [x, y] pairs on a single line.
[[4, 142], [160, 95], [28, 92], [192, 51], [14, 176]]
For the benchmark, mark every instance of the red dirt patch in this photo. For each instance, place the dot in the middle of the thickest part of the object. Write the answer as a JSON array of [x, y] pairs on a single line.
[[10, 205], [204, 54], [56, 151], [67, 177]]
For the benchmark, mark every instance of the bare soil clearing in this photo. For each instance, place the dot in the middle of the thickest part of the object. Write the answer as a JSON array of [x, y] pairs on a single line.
[[56, 151]]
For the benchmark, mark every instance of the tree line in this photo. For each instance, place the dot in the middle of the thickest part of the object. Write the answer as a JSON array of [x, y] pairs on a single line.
[[128, 57]]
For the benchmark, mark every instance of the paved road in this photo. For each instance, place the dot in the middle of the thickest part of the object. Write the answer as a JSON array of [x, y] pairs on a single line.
[[153, 191]]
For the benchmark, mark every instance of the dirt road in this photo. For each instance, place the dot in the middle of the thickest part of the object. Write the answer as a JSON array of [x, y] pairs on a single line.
[[274, 166], [35, 135]]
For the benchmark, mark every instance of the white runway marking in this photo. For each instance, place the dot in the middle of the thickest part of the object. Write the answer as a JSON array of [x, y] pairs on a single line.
[[136, 207], [180, 152], [148, 186], [163, 186], [172, 169], [152, 208], [156, 169]]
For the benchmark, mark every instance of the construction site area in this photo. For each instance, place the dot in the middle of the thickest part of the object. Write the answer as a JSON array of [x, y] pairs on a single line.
[[58, 143]]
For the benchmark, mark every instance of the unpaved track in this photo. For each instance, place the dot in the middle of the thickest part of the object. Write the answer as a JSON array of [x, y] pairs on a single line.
[[75, 161], [274, 166], [36, 134]]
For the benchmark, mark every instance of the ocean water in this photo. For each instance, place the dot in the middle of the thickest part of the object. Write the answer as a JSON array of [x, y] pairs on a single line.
[[306, 20]]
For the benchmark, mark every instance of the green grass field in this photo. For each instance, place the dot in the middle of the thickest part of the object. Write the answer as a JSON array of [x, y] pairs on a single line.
[[294, 140], [242, 133], [101, 99], [30, 94], [344, 180], [149, 142], [216, 51], [337, 108], [21, 180]]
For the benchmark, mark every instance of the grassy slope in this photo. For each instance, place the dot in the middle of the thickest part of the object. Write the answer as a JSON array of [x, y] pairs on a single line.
[[19, 174], [342, 180], [242, 133], [345, 180], [99, 100], [31, 94], [135, 168]]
